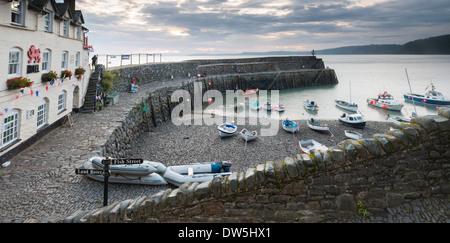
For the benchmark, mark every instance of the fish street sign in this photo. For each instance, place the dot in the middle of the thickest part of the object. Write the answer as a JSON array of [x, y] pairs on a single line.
[[122, 161]]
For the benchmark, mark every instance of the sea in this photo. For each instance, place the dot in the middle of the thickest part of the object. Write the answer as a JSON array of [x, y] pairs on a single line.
[[360, 77]]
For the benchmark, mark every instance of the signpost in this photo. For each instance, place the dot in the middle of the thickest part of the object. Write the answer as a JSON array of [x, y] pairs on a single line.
[[106, 173]]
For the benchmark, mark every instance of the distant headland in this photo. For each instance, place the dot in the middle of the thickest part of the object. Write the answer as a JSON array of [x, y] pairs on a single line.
[[439, 45]]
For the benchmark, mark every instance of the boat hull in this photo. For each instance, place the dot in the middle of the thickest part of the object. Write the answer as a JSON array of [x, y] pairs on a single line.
[[226, 130], [353, 124], [290, 126], [319, 128], [394, 106], [346, 106], [353, 135], [307, 145], [424, 100], [248, 135]]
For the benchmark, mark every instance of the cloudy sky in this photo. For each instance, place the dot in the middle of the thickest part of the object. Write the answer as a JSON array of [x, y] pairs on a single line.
[[181, 27]]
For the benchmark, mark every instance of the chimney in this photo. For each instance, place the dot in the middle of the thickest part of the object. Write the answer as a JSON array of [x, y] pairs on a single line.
[[71, 6]]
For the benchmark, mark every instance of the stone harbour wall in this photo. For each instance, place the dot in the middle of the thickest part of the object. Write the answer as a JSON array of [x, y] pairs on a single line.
[[372, 174]]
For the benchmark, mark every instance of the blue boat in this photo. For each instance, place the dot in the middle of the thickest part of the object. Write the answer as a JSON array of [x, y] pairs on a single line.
[[290, 126], [431, 97], [353, 120]]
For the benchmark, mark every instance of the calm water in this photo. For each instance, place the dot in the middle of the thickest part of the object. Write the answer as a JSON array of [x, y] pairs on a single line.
[[368, 75]]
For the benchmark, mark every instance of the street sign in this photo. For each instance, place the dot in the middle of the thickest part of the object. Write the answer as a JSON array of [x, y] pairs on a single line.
[[122, 161], [88, 172], [145, 108]]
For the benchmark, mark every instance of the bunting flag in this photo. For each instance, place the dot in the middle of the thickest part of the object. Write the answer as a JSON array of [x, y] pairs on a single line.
[[31, 91], [17, 97], [37, 93], [46, 88], [21, 90], [6, 110], [51, 83]]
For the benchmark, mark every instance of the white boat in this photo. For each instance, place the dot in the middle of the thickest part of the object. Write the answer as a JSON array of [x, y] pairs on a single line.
[[346, 105], [353, 135], [147, 167], [353, 120], [307, 145], [290, 126], [431, 97], [268, 106], [310, 105], [197, 172], [226, 129], [152, 179], [279, 107], [399, 120], [251, 91], [248, 135], [385, 101], [317, 126]]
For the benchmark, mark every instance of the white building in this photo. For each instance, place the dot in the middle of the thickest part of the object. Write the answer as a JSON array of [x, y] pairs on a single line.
[[37, 37]]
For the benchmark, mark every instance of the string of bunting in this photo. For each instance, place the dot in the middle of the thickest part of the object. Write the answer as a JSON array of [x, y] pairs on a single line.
[[34, 93]]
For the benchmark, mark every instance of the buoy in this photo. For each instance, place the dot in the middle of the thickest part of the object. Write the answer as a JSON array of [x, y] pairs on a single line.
[[425, 101], [384, 106]]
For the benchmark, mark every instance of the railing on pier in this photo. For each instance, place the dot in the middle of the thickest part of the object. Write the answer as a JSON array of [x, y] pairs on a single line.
[[121, 60]]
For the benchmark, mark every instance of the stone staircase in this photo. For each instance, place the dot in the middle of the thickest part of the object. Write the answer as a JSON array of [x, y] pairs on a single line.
[[89, 99]]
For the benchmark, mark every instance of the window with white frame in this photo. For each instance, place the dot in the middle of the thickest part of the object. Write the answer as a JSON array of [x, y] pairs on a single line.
[[14, 63], [10, 129], [42, 113], [48, 22], [17, 12], [46, 58], [64, 60], [62, 101], [66, 27], [77, 60]]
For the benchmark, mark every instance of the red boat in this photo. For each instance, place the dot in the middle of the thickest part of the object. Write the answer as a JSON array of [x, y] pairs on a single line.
[[249, 92]]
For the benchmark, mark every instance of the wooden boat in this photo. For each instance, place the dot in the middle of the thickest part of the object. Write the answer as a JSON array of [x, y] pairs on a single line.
[[385, 101], [307, 145], [251, 91], [226, 129], [353, 120], [431, 97], [346, 105], [399, 120], [290, 126], [248, 135], [310, 105], [353, 134], [317, 126]]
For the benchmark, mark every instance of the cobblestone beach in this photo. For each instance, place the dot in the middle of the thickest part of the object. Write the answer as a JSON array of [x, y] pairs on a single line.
[[41, 184]]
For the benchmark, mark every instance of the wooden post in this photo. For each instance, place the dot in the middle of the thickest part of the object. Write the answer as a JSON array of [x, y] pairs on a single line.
[[152, 110]]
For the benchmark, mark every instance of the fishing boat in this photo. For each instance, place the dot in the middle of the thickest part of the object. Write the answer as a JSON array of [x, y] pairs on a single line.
[[268, 106], [399, 120], [431, 97], [353, 135], [310, 105], [278, 108], [290, 126], [346, 105], [251, 91], [385, 101], [248, 135], [197, 172], [226, 129], [353, 120], [307, 145], [317, 126]]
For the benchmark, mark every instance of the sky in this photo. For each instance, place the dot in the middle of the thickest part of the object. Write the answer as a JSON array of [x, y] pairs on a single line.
[[183, 27]]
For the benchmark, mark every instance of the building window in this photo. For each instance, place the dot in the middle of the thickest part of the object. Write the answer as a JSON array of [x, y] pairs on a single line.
[[42, 114], [77, 60], [17, 12], [66, 27], [48, 22], [62, 101], [10, 127], [79, 32], [14, 63], [64, 59], [46, 55]]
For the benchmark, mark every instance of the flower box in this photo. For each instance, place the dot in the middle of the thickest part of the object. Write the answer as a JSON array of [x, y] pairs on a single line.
[[80, 71], [17, 83], [50, 76], [66, 74]]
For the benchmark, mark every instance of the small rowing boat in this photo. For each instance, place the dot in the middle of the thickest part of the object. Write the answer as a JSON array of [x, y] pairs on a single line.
[[248, 135], [290, 126], [307, 145], [353, 135], [226, 129], [317, 126], [310, 105]]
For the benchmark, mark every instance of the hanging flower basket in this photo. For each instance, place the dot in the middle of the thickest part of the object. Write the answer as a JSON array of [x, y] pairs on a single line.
[[79, 71], [50, 76], [66, 74], [17, 83]]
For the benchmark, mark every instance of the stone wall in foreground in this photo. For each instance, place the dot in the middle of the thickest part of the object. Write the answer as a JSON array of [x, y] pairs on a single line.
[[409, 162]]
